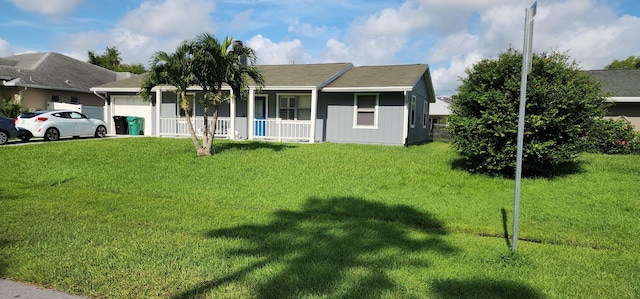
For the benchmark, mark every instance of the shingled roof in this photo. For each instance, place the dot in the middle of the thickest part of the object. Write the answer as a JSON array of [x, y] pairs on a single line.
[[619, 83], [400, 76], [292, 75], [326, 76], [53, 71]]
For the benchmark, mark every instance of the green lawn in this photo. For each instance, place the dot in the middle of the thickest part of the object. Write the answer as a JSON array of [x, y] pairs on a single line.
[[145, 217]]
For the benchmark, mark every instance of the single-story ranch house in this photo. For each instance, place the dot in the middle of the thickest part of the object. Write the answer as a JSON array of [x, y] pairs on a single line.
[[623, 87], [331, 102], [40, 81]]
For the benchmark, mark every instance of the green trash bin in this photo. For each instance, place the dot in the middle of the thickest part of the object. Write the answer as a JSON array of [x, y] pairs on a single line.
[[136, 125]]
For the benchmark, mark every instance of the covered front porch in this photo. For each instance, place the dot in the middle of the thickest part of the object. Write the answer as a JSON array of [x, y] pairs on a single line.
[[264, 129], [273, 116]]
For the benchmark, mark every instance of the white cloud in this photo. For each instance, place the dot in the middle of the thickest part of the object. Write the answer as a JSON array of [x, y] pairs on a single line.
[[49, 7], [447, 79], [153, 26], [5, 48], [287, 52], [182, 18], [589, 31], [306, 29], [242, 19]]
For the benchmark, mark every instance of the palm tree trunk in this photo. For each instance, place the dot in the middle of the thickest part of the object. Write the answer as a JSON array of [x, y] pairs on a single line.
[[209, 145], [205, 132], [192, 132]]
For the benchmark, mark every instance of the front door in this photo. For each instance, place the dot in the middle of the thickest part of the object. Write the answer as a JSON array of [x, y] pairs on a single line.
[[260, 109]]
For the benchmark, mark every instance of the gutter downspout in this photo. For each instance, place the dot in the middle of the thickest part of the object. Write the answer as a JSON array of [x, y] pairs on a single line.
[[105, 108], [20, 95]]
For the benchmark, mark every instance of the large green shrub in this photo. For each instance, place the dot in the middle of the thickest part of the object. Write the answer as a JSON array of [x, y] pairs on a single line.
[[9, 109], [612, 136], [562, 103]]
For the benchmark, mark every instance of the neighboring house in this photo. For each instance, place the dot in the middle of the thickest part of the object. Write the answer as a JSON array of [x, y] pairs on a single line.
[[333, 102], [624, 88], [440, 110], [438, 114], [38, 80]]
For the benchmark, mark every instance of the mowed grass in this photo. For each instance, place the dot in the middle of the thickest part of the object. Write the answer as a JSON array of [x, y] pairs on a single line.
[[145, 217]]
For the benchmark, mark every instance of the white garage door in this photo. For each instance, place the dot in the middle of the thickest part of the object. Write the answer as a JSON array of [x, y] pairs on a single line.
[[132, 106]]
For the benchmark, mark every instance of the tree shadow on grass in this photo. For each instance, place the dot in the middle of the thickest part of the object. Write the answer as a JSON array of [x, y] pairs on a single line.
[[338, 248], [5, 196], [561, 171], [483, 289], [251, 145], [3, 259]]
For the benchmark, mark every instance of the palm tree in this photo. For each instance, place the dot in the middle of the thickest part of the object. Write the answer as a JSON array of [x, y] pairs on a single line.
[[216, 64], [174, 69]]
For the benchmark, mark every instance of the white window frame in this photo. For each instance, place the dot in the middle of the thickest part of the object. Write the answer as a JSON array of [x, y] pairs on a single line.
[[425, 117], [356, 110], [298, 97], [412, 112]]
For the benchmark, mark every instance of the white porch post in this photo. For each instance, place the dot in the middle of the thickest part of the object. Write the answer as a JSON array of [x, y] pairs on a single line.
[[251, 114], [232, 115], [158, 112], [314, 112], [405, 125]]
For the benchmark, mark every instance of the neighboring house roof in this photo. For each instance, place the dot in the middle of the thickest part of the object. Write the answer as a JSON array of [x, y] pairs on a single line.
[[131, 84], [442, 106], [53, 71], [622, 85]]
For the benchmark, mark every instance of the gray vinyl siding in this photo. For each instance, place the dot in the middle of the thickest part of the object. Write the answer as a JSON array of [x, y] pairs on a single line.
[[418, 134], [336, 113]]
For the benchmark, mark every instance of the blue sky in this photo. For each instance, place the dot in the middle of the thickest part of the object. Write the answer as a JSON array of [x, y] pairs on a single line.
[[449, 35]]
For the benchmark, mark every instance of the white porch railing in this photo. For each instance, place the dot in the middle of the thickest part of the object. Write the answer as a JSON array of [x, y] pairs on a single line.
[[279, 129], [178, 126]]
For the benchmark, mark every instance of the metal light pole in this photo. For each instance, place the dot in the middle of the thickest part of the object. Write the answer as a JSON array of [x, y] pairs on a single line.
[[526, 68]]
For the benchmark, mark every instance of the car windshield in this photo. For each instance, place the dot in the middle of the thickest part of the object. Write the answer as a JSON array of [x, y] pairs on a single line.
[[30, 114]]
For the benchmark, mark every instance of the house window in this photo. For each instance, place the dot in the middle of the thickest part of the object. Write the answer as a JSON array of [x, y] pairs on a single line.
[[294, 107], [55, 98], [75, 100], [412, 114], [425, 114], [365, 111]]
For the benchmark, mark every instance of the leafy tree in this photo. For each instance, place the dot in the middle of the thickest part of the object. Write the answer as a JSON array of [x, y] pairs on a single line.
[[562, 103], [208, 63], [632, 62], [111, 60]]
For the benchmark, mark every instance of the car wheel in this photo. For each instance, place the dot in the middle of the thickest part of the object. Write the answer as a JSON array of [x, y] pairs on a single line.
[[52, 134], [4, 137], [24, 137], [101, 131]]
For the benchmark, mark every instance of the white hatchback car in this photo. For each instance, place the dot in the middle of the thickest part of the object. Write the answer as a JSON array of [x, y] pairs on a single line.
[[59, 123]]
